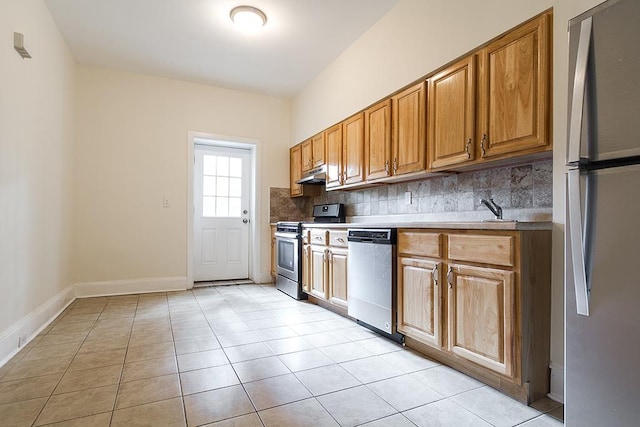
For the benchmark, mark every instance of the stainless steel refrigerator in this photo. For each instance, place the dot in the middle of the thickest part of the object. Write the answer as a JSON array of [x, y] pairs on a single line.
[[602, 234]]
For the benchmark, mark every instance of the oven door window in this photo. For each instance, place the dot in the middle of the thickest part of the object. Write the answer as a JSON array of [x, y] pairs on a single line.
[[286, 255]]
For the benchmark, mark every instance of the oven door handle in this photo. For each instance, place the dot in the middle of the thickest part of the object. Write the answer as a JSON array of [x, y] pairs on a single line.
[[286, 235]]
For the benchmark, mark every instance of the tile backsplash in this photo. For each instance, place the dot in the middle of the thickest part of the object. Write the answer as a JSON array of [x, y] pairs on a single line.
[[283, 208], [524, 192]]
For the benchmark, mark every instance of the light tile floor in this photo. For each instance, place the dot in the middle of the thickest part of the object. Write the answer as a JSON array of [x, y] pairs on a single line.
[[241, 355]]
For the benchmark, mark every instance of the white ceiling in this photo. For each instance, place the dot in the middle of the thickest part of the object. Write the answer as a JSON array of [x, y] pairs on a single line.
[[194, 39]]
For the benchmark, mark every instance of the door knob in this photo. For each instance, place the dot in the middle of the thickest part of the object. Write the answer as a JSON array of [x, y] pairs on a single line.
[[245, 220]]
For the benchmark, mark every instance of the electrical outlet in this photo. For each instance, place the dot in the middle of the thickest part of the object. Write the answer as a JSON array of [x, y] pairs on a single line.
[[22, 339], [407, 197]]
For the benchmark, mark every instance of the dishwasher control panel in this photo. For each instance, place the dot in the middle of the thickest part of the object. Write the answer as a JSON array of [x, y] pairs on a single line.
[[384, 236]]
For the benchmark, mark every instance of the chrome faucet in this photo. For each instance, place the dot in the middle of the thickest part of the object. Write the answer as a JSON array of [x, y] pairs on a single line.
[[493, 207]]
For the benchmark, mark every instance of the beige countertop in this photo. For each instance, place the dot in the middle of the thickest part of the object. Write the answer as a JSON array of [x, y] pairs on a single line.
[[451, 225]]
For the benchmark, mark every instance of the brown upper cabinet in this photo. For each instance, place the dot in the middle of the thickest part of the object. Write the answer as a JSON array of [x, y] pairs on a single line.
[[353, 149], [295, 172], [377, 140], [395, 135], [333, 140], [313, 152], [452, 115], [408, 141], [345, 152], [511, 99], [493, 104], [515, 80]]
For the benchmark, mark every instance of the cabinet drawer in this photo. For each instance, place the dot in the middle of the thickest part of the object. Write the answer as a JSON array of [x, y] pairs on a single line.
[[487, 249], [420, 243], [318, 237], [338, 238]]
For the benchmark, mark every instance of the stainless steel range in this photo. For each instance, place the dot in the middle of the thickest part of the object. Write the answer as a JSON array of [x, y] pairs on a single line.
[[289, 258]]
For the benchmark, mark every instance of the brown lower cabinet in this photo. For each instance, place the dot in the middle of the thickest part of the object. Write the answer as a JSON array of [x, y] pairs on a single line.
[[476, 300], [324, 266], [479, 301]]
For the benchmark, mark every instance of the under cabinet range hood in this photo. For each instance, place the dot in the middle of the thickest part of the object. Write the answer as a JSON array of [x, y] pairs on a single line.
[[316, 176]]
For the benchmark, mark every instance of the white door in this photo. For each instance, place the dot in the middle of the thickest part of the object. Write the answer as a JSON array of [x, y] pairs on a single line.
[[221, 185]]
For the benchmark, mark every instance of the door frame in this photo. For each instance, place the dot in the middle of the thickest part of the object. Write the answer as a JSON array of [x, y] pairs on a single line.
[[251, 144]]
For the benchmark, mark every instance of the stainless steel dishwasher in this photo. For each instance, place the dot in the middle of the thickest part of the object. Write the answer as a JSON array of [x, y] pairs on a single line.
[[371, 279]]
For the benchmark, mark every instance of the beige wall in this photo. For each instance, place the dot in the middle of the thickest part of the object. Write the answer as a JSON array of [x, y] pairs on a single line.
[[417, 37], [36, 138], [131, 152]]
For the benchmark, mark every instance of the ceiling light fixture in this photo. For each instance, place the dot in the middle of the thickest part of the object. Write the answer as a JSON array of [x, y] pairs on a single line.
[[248, 18]]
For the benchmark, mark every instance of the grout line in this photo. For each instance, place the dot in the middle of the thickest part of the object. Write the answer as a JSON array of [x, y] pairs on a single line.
[[62, 315], [226, 296], [124, 361]]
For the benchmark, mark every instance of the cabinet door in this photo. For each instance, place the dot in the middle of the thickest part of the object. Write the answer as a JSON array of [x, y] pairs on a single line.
[[482, 316], [306, 268], [353, 149], [451, 124], [307, 155], [377, 140], [318, 271], [295, 159], [338, 276], [333, 139], [514, 97], [318, 150], [419, 299], [409, 144]]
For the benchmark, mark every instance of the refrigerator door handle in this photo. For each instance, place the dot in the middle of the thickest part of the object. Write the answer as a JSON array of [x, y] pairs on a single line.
[[577, 254], [577, 99]]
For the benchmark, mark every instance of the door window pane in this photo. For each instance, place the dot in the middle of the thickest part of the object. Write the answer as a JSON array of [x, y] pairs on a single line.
[[209, 185], [209, 164], [223, 166], [235, 187], [208, 206], [222, 186], [234, 206], [222, 206], [235, 167]]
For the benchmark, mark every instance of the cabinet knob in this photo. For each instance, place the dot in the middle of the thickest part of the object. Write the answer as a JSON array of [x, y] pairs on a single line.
[[386, 166], [467, 148], [449, 277], [434, 275], [395, 165]]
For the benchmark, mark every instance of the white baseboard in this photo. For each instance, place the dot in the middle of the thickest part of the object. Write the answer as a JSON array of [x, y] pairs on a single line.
[[31, 324], [557, 383], [131, 286], [263, 278]]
